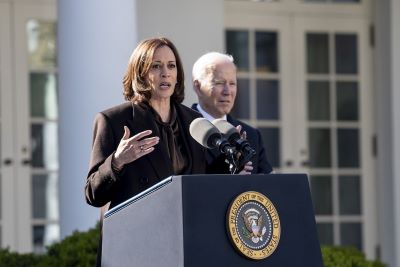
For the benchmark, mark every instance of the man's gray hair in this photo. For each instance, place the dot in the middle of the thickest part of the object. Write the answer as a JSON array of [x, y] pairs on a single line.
[[206, 63]]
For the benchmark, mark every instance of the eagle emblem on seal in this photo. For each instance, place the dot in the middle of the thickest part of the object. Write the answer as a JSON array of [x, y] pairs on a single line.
[[255, 227]]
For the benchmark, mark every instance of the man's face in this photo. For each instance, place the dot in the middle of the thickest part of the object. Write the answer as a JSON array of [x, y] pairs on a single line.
[[217, 91]]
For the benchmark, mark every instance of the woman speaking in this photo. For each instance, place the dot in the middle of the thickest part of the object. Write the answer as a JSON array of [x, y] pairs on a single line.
[[140, 142]]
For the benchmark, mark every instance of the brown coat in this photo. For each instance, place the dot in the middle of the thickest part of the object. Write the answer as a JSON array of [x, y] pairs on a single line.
[[103, 185]]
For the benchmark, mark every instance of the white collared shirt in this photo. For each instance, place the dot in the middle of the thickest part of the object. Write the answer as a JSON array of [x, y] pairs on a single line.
[[206, 115]]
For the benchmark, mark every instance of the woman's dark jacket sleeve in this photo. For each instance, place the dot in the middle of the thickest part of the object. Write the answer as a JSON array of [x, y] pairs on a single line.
[[101, 177]]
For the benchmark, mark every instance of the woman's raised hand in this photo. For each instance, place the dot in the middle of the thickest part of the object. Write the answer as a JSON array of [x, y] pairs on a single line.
[[132, 148]]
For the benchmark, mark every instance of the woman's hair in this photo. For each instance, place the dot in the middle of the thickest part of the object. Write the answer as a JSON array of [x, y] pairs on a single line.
[[206, 64], [136, 85]]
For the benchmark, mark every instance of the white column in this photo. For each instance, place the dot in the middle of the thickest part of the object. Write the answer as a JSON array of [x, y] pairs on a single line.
[[95, 42], [387, 87], [395, 99], [95, 39]]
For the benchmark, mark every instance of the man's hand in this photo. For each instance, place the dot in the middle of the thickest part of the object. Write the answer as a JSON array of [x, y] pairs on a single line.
[[248, 167], [243, 135]]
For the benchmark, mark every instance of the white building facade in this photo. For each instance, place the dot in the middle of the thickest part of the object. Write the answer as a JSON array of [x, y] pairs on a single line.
[[318, 78]]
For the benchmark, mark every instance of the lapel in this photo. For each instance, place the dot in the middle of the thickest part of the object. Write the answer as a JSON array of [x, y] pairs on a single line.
[[142, 119], [231, 120], [184, 124], [194, 107]]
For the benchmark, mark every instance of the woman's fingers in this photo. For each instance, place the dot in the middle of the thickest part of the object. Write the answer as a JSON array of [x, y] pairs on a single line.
[[147, 142], [147, 151], [132, 148], [143, 147], [140, 135], [135, 141], [127, 133], [138, 140]]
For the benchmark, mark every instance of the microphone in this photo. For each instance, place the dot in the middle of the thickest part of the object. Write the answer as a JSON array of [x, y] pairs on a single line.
[[230, 132], [207, 135]]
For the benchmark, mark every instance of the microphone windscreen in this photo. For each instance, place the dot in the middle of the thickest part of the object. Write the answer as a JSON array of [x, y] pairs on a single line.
[[227, 129], [204, 132]]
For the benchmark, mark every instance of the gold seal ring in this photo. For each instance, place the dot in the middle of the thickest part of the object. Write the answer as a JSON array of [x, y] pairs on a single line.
[[253, 225]]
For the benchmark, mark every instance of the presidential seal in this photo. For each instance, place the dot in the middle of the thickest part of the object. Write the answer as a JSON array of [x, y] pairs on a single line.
[[253, 225]]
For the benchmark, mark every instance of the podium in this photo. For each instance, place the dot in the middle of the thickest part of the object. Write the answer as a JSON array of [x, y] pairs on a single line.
[[182, 221]]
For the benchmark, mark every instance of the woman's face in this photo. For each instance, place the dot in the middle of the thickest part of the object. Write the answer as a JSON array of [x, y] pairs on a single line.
[[163, 74]]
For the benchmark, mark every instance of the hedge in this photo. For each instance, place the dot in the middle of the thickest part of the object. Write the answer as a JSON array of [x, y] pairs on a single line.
[[76, 250], [346, 257], [80, 249]]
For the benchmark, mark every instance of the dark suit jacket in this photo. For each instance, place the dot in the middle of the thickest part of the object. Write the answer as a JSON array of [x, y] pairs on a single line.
[[103, 184], [216, 161], [104, 187]]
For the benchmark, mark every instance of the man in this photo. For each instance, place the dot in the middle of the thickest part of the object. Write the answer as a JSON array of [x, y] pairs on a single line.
[[214, 81]]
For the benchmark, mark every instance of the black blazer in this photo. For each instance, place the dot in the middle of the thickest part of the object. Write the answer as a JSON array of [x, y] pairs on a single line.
[[216, 161], [103, 184]]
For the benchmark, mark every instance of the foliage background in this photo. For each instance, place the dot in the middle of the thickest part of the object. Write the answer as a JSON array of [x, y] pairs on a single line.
[[80, 250], [76, 250]]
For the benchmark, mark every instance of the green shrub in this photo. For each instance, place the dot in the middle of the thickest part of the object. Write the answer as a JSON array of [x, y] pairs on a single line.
[[346, 257], [76, 250], [80, 250], [13, 259]]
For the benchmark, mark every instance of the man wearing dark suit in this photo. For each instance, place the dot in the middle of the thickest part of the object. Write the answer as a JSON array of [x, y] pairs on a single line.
[[214, 81]]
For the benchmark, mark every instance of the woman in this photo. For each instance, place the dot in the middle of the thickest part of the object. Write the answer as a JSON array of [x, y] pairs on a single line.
[[146, 139]]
